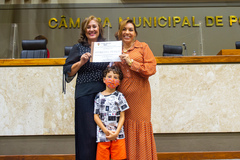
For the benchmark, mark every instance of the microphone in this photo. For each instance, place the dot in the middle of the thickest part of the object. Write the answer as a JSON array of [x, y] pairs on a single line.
[[185, 49]]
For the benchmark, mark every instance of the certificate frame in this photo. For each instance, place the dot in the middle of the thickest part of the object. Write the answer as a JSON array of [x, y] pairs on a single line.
[[108, 51]]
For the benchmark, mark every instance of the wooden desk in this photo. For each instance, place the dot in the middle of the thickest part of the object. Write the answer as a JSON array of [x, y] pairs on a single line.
[[160, 60], [229, 52], [33, 62]]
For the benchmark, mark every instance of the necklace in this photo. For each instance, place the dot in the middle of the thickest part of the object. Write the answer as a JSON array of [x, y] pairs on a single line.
[[126, 50]]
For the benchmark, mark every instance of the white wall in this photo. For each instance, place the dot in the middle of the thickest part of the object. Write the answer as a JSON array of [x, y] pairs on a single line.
[[185, 99]]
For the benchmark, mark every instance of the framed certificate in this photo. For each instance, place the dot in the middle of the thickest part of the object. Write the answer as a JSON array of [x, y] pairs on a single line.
[[106, 51]]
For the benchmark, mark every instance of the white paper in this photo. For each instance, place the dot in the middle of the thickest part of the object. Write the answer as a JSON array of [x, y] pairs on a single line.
[[106, 51]]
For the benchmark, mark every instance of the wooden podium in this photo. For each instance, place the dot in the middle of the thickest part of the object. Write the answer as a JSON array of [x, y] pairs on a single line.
[[229, 52]]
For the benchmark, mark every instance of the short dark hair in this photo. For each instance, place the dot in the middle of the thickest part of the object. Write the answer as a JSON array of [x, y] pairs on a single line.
[[115, 70], [39, 37]]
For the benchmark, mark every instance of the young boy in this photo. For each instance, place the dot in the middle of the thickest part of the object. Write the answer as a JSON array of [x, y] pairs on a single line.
[[109, 107]]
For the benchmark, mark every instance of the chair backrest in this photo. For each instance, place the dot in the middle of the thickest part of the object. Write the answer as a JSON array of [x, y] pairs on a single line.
[[171, 50], [237, 44], [34, 49], [67, 50]]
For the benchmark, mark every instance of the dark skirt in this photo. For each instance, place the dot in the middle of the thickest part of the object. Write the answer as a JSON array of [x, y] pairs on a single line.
[[85, 128]]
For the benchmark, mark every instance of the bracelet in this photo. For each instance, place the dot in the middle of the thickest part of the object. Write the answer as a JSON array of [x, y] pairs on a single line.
[[130, 63]]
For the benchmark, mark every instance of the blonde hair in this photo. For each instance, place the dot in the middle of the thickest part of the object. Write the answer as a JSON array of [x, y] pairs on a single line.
[[122, 24], [83, 38]]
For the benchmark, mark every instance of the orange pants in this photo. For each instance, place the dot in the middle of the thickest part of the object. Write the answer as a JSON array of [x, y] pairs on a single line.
[[117, 150]]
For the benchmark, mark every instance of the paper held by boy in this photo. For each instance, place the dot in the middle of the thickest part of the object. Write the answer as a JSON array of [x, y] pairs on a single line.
[[106, 51]]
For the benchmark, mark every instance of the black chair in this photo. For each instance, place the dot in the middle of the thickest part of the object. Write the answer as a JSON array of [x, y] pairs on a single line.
[[170, 50], [237, 44], [34, 49], [67, 50]]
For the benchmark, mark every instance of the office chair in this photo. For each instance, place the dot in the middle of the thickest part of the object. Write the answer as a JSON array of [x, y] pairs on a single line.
[[237, 44], [34, 49], [67, 50], [170, 50]]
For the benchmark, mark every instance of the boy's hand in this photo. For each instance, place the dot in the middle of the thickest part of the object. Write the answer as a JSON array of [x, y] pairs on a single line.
[[112, 136], [107, 132]]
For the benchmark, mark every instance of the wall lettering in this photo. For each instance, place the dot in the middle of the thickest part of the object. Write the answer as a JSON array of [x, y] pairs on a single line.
[[149, 22]]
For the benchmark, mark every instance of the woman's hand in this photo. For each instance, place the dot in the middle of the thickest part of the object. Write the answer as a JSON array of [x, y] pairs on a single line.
[[85, 57], [76, 66], [125, 57]]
